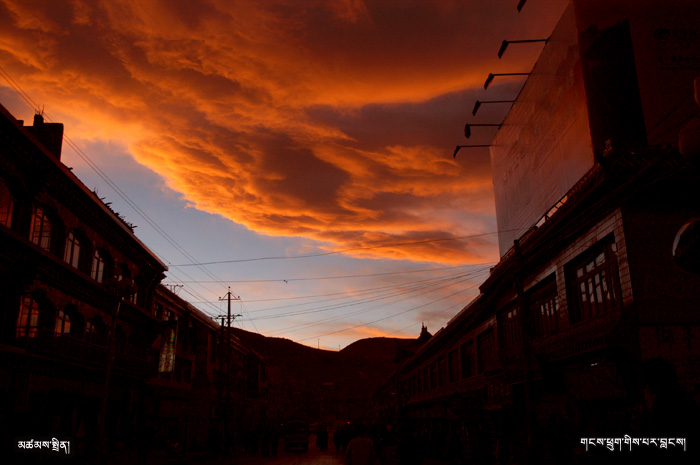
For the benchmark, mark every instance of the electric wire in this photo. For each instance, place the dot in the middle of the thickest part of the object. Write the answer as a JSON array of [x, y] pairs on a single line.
[[365, 275], [102, 175], [352, 293], [336, 252], [429, 285], [388, 317], [335, 318], [184, 252]]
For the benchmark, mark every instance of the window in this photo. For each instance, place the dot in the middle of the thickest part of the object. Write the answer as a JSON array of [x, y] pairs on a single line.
[[62, 323], [510, 327], [452, 366], [40, 231], [442, 371], [545, 309], [433, 375], [167, 353], [28, 318], [466, 353], [72, 252], [486, 351], [158, 311], [7, 204], [98, 267], [91, 332], [594, 282]]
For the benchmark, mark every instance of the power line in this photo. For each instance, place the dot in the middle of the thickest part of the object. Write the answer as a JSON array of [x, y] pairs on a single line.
[[336, 252], [402, 286], [388, 317], [430, 285], [184, 252], [365, 275], [345, 315], [356, 291], [17, 88]]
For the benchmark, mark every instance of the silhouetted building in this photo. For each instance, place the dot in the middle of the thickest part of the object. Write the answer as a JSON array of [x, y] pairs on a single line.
[[77, 285], [209, 387], [590, 193], [74, 280]]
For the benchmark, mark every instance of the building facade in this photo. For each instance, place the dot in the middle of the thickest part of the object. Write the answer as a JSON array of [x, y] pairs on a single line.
[[93, 350], [587, 327], [77, 290], [211, 391]]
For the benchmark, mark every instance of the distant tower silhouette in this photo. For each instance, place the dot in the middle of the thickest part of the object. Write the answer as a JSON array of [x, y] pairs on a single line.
[[424, 334]]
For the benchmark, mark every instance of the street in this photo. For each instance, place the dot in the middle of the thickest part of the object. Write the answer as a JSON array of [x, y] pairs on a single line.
[[313, 457]]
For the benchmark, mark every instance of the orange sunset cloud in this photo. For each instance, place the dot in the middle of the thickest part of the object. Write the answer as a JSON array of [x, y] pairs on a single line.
[[333, 121]]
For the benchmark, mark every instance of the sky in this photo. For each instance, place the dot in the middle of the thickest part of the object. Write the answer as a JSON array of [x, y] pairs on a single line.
[[298, 152]]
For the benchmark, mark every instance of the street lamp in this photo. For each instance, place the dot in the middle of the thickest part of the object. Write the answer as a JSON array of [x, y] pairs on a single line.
[[504, 44], [478, 104], [454, 155], [493, 75], [468, 128]]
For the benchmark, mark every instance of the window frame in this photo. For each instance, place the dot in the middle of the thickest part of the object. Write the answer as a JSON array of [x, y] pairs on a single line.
[[486, 351], [593, 283], [28, 318], [62, 325], [509, 326], [467, 359], [43, 235], [7, 206], [73, 249], [98, 272], [545, 307]]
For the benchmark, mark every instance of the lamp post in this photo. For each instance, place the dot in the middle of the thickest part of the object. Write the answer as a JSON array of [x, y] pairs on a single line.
[[454, 155], [478, 104], [493, 75], [505, 43], [468, 128]]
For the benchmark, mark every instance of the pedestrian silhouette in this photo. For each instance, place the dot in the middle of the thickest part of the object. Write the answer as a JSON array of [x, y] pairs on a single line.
[[360, 449]]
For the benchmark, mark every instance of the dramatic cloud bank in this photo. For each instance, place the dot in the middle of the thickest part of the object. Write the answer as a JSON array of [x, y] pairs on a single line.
[[333, 121]]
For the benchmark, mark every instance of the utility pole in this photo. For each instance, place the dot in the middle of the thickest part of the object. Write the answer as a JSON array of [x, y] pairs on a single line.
[[228, 297], [120, 288]]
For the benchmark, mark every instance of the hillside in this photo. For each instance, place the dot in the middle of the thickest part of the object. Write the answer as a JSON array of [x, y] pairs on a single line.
[[379, 349], [326, 384]]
